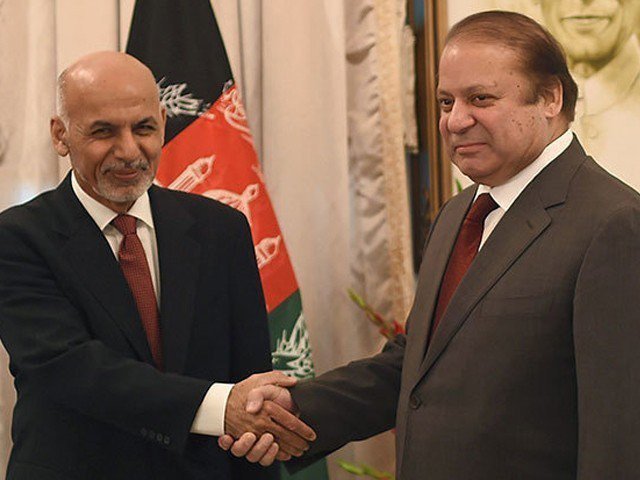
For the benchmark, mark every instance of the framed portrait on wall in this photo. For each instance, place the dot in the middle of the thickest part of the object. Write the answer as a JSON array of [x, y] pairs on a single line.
[[600, 39]]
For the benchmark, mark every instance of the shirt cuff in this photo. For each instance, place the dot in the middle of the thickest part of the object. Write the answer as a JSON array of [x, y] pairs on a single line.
[[209, 419]]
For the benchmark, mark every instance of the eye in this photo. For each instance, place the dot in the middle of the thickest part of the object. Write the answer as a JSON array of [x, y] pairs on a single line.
[[145, 129], [482, 99], [101, 132], [445, 104]]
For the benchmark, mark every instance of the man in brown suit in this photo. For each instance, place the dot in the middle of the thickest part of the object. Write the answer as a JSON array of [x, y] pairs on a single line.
[[525, 364]]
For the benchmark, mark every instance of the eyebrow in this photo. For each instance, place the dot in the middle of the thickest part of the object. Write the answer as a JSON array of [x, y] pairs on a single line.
[[105, 123], [146, 120], [468, 90], [100, 124]]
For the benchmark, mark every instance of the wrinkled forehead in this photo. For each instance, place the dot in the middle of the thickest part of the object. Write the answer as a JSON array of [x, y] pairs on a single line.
[[89, 92]]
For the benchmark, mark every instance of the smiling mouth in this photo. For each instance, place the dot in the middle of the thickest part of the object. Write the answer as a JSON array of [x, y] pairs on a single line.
[[126, 175], [587, 22]]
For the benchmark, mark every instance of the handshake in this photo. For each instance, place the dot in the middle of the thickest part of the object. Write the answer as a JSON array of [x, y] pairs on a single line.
[[261, 421]]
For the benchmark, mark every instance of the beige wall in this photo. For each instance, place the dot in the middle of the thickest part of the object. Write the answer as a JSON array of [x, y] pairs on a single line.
[[84, 26]]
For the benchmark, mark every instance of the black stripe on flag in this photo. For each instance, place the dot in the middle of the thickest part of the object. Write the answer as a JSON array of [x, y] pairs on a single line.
[[179, 40]]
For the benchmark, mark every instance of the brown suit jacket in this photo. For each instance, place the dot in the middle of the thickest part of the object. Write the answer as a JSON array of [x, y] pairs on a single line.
[[534, 371]]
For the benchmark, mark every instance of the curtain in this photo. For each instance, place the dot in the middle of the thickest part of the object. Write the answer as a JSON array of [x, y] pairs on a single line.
[[27, 162], [324, 84]]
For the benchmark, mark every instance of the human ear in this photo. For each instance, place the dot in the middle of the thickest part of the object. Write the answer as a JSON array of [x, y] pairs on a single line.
[[552, 97], [163, 119], [59, 136]]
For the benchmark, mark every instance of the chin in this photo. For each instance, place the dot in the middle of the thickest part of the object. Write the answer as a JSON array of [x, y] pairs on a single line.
[[128, 194], [468, 171]]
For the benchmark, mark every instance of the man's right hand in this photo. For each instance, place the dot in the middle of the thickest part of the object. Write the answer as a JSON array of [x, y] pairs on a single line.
[[259, 421]]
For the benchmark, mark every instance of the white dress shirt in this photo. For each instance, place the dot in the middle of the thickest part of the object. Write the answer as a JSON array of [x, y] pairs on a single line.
[[507, 193], [209, 419]]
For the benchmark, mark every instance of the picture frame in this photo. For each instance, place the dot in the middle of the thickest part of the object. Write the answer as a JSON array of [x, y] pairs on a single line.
[[430, 169]]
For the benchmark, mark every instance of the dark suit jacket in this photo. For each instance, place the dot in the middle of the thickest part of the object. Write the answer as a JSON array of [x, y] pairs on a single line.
[[534, 370], [90, 405]]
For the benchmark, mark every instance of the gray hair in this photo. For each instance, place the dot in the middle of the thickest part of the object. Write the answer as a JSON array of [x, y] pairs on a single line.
[[61, 99]]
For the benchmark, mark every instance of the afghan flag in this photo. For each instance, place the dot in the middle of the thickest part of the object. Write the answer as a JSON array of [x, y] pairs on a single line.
[[209, 151]]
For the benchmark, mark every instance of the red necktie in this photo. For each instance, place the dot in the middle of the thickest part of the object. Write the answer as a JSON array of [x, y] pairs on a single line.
[[464, 251], [135, 267]]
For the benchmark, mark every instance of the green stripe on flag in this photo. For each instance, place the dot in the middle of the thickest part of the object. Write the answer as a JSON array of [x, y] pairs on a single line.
[[291, 354], [290, 349], [315, 471]]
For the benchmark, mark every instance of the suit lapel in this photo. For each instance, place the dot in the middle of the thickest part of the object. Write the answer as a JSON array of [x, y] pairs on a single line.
[[89, 254], [434, 263], [179, 255], [517, 230]]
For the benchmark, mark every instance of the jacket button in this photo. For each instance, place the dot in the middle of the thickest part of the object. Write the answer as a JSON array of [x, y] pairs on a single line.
[[167, 440], [159, 437], [414, 402]]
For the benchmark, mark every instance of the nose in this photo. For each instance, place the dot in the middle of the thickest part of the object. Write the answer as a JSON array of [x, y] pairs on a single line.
[[459, 118], [126, 147]]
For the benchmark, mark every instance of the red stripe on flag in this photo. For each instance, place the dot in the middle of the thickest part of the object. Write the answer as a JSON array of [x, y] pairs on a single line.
[[214, 156]]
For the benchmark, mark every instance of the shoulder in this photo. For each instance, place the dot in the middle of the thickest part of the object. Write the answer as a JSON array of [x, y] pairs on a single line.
[[37, 211], [205, 217], [601, 213], [600, 193], [196, 205], [29, 229]]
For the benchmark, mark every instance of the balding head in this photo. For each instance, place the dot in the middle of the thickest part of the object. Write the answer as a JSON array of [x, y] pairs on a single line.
[[99, 68], [111, 124]]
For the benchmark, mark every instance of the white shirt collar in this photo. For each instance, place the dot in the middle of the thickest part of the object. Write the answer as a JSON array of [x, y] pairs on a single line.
[[103, 215], [506, 194]]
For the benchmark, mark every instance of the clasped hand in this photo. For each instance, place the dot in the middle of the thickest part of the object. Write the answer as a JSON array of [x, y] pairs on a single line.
[[261, 422]]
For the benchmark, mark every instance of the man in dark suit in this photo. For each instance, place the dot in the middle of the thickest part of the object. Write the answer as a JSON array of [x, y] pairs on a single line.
[[521, 359], [126, 307]]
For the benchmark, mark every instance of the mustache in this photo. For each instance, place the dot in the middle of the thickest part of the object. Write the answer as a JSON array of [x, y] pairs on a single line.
[[140, 164]]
